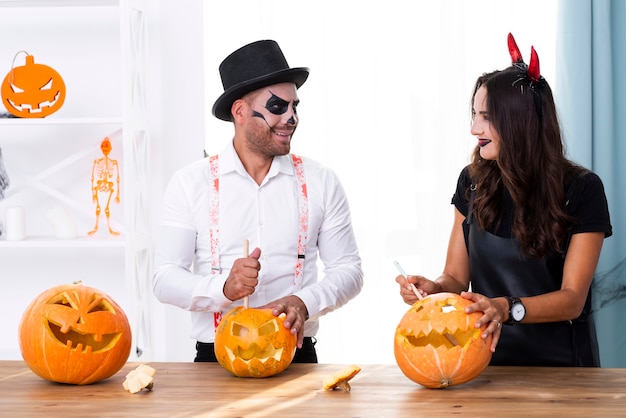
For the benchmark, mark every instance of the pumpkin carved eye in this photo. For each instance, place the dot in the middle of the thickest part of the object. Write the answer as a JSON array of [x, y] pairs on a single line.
[[269, 327], [239, 330], [16, 89], [47, 86]]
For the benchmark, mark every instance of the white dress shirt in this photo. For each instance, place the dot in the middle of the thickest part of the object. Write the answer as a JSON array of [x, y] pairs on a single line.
[[267, 216]]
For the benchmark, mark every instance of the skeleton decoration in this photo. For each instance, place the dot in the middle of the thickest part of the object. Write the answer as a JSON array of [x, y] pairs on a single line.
[[105, 181]]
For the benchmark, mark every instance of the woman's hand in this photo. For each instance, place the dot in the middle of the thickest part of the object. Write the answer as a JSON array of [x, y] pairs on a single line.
[[423, 286], [494, 311]]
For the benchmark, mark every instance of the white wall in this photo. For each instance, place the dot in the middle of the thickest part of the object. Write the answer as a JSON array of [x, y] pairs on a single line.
[[385, 106]]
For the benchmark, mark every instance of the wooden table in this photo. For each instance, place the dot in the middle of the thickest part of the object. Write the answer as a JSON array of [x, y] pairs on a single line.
[[207, 390]]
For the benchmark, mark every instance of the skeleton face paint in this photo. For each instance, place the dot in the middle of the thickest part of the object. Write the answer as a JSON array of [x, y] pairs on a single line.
[[276, 106]]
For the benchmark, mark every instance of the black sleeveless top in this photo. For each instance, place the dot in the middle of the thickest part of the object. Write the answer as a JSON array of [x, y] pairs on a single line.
[[497, 268]]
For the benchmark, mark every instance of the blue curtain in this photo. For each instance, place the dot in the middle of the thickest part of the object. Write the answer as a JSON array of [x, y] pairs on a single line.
[[590, 90]]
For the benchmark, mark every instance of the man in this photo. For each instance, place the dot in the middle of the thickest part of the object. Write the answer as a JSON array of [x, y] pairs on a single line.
[[292, 210]]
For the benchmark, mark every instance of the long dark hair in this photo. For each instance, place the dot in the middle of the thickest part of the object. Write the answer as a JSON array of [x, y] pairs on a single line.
[[531, 164]]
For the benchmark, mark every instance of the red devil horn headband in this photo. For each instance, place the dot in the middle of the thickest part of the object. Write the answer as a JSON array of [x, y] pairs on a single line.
[[516, 58], [533, 67], [516, 55]]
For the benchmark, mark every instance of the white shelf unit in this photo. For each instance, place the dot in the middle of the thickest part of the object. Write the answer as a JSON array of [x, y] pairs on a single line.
[[98, 47]]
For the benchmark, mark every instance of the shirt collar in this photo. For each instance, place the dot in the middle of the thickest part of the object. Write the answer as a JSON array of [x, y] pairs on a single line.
[[229, 162]]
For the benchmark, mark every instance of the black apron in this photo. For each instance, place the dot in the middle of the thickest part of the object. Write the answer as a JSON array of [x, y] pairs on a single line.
[[497, 268]]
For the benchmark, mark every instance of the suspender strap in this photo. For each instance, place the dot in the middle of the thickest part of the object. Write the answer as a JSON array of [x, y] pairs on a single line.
[[214, 218], [303, 219], [214, 214]]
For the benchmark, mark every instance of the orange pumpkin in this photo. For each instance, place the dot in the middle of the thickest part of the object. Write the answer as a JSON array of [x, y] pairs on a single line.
[[32, 90], [74, 334], [254, 343], [437, 345]]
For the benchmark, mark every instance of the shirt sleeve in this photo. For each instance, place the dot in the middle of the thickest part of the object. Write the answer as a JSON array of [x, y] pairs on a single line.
[[460, 198], [343, 275], [173, 280], [588, 204]]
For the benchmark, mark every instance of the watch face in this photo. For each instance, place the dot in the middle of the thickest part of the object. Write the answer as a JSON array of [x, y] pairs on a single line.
[[518, 311]]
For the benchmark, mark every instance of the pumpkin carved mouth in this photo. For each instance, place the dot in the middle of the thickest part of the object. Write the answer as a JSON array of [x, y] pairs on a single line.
[[87, 343], [254, 351], [37, 108], [441, 336], [446, 339]]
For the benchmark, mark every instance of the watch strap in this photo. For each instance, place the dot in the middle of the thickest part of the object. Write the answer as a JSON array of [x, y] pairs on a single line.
[[512, 301]]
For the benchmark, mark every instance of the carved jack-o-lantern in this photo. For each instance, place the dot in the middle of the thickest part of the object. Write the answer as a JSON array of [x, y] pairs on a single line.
[[437, 345], [254, 343], [74, 334], [32, 90]]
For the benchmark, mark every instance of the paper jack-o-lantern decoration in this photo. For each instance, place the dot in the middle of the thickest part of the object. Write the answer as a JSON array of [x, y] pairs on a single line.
[[437, 345], [254, 343], [32, 90], [74, 334]]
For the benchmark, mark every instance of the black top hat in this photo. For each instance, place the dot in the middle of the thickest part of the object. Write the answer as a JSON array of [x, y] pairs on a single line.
[[251, 67]]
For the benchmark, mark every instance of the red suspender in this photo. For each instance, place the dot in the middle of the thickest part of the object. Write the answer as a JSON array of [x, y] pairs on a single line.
[[303, 219], [214, 217]]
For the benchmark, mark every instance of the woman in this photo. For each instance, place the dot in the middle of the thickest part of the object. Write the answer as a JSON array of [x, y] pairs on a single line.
[[528, 228]]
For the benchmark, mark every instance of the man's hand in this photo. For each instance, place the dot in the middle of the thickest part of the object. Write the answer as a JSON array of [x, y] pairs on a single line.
[[296, 312], [243, 277]]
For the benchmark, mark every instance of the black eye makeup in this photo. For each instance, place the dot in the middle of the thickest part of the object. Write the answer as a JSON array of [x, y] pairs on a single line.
[[278, 106]]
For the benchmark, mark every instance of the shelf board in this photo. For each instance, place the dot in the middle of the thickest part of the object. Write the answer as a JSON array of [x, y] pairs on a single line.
[[60, 121], [52, 242], [57, 3]]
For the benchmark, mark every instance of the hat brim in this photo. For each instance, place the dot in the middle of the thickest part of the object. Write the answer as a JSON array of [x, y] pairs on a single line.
[[221, 107]]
